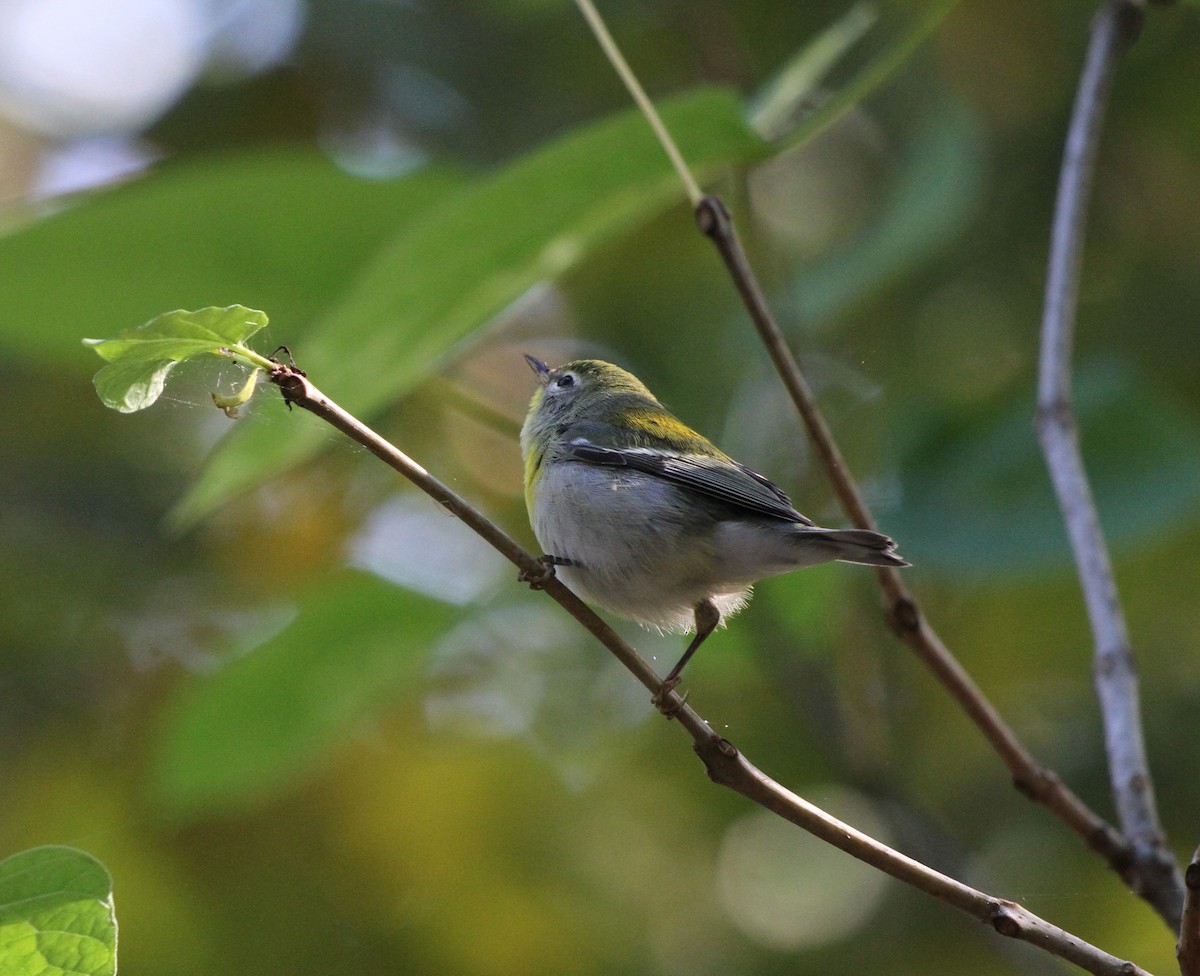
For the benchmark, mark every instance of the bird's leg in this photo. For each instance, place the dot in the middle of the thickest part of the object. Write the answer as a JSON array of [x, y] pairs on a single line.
[[537, 580], [707, 618]]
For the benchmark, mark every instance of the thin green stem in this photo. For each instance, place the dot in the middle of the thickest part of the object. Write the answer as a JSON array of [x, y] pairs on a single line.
[[247, 357], [621, 66]]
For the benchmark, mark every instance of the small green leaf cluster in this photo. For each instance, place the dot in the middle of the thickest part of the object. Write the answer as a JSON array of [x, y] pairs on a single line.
[[141, 358]]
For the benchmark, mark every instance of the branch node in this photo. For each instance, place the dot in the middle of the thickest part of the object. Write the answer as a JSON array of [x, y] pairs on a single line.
[[1130, 18], [1191, 877], [1037, 782], [1056, 412], [1113, 660], [720, 758], [904, 616], [1004, 921], [291, 385], [1187, 949], [713, 218]]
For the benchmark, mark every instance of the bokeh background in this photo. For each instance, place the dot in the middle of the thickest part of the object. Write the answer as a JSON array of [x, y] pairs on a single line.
[[313, 727]]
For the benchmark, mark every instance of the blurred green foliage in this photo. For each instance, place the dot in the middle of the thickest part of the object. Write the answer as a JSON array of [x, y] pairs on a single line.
[[321, 730]]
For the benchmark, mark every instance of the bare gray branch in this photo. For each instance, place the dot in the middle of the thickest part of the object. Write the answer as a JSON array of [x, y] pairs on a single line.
[[1153, 872]]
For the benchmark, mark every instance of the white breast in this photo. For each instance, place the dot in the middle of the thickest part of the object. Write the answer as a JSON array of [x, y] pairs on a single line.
[[633, 543]]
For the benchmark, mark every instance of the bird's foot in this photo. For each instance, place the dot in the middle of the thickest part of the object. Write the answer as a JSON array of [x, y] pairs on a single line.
[[660, 699], [537, 578]]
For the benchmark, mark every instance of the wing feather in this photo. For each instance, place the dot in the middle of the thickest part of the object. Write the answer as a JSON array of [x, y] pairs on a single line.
[[720, 478]]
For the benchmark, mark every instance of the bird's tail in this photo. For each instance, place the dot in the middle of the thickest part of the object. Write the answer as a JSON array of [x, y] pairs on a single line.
[[857, 546]]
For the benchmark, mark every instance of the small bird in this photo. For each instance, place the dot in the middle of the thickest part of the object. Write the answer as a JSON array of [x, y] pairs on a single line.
[[646, 518]]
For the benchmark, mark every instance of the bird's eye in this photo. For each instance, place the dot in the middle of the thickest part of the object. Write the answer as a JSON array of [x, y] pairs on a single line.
[[564, 381]]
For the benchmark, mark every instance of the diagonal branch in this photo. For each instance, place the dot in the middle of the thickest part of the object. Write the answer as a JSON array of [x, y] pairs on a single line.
[[729, 768], [900, 606], [725, 765], [1155, 874]]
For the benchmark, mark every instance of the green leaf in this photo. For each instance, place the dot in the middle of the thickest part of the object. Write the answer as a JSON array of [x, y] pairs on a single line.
[[230, 402], [180, 334], [141, 358], [464, 261], [279, 229], [133, 385], [256, 727], [56, 914]]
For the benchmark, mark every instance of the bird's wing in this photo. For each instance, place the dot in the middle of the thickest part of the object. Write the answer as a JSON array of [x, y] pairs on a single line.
[[720, 477]]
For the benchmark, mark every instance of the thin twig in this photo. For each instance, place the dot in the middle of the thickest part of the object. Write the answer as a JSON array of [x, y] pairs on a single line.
[[1155, 873], [1187, 950], [629, 79], [726, 766], [900, 606]]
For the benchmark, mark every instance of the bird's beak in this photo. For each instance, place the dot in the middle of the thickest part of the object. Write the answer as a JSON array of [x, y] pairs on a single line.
[[542, 370]]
